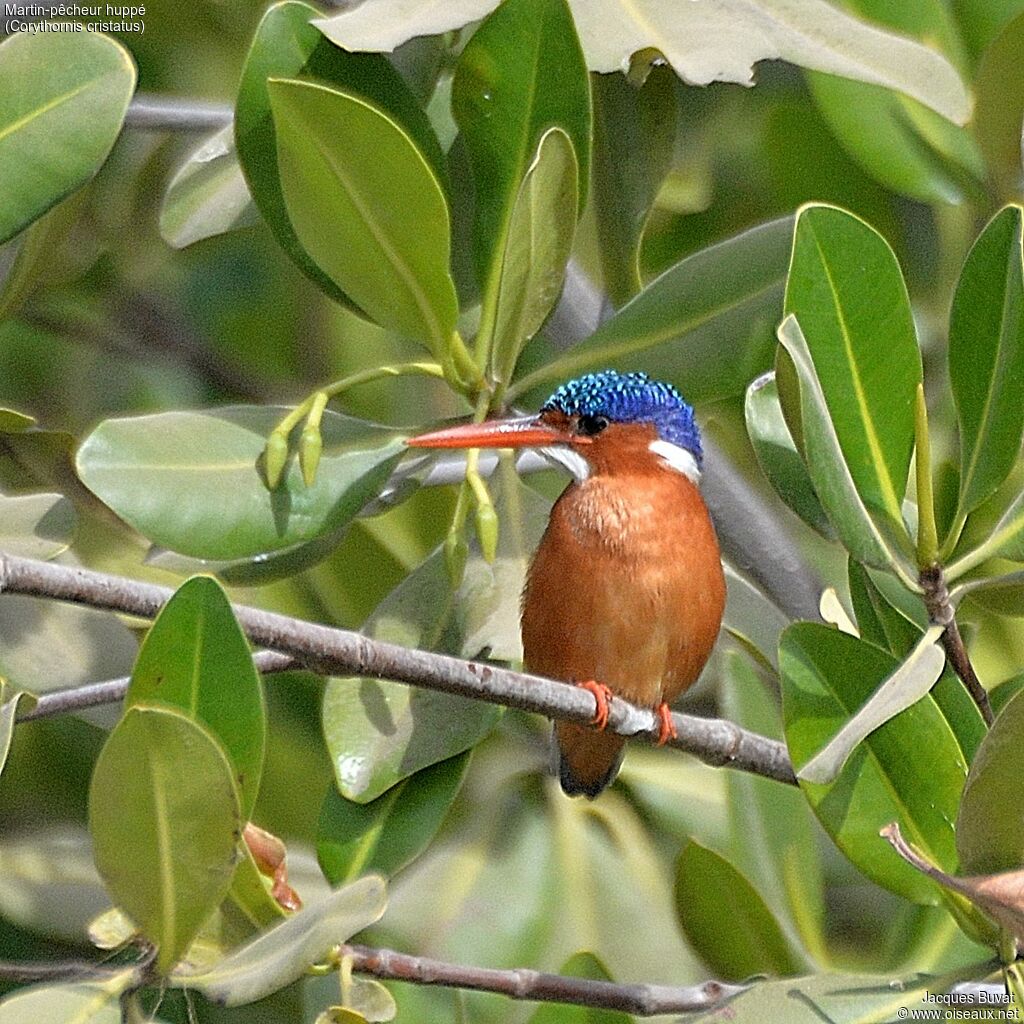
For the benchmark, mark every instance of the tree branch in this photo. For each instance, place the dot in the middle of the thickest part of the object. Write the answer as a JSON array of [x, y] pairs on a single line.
[[641, 999], [172, 114], [942, 613], [110, 691], [341, 652]]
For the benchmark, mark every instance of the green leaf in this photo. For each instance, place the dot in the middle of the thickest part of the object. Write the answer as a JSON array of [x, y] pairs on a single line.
[[31, 254], [388, 833], [999, 103], [165, 821], [386, 245], [541, 226], [47, 645], [831, 475], [189, 481], [251, 896], [989, 831], [9, 706], [286, 45], [751, 619], [62, 101], [704, 324], [709, 888], [846, 290], [379, 732], [580, 965], [836, 998], [777, 455], [208, 194], [284, 953], [634, 145], [986, 357], [884, 624], [36, 525], [914, 677], [774, 841], [878, 621], [196, 658], [81, 1003], [31, 459], [911, 769], [900, 143], [521, 73]]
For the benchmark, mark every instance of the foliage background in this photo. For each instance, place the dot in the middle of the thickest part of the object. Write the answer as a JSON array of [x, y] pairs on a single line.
[[122, 323]]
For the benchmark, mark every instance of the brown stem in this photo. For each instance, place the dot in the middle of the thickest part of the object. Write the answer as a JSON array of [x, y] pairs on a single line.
[[942, 613], [641, 999], [344, 653]]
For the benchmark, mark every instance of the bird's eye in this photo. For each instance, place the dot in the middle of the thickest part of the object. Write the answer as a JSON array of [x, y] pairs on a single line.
[[588, 426]]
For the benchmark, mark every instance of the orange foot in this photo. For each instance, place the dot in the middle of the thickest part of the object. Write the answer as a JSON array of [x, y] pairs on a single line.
[[667, 728], [602, 697]]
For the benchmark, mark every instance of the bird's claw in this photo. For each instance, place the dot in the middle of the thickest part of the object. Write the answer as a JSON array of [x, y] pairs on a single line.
[[666, 726], [602, 697]]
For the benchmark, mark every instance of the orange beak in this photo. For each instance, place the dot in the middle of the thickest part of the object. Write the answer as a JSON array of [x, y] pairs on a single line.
[[524, 432]]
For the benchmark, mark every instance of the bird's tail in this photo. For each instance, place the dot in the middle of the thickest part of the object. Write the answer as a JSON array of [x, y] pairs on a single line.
[[588, 761]]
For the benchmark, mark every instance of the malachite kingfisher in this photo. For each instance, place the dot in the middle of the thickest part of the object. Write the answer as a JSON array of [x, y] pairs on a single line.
[[625, 593]]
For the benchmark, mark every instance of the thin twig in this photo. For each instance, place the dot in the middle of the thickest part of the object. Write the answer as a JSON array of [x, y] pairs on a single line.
[[110, 691], [341, 652], [174, 114], [941, 613], [640, 999]]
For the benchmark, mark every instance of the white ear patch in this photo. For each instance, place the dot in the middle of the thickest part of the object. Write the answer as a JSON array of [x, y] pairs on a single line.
[[568, 459], [679, 459]]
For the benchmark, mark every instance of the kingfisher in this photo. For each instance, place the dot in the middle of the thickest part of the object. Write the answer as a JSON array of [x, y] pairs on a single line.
[[625, 593]]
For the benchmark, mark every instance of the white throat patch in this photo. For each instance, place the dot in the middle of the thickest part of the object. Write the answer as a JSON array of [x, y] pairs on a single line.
[[568, 459], [676, 458]]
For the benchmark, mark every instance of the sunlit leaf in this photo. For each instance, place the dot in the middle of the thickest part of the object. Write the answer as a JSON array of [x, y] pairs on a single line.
[[911, 769], [704, 324], [286, 951], [520, 74], [986, 357], [165, 821], [916, 675], [81, 1002], [386, 247], [385, 834], [707, 885], [63, 97], [734, 35], [208, 194], [541, 226], [196, 658], [191, 481], [846, 290], [830, 473]]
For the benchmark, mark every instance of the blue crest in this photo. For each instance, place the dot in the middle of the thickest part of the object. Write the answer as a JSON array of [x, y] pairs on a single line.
[[631, 398]]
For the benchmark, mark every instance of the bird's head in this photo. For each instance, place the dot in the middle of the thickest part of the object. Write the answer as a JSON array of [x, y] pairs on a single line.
[[602, 422]]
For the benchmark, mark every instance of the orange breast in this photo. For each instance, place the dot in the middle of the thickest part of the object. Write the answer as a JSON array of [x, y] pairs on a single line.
[[626, 589]]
